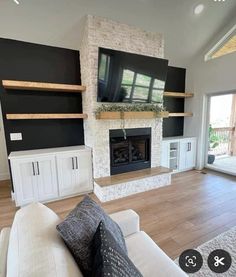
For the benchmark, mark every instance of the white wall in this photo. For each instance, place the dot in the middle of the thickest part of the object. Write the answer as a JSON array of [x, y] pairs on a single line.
[[4, 170], [58, 22], [214, 76]]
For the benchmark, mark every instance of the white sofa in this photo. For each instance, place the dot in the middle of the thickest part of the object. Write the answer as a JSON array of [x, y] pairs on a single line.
[[33, 248]]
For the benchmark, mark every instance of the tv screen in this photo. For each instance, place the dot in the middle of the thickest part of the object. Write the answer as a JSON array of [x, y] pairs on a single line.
[[130, 78]]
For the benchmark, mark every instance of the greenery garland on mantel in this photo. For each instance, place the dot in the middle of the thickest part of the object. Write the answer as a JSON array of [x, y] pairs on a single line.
[[130, 108], [156, 109]]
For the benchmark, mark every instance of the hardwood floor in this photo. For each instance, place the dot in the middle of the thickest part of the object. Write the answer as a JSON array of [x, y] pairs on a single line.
[[193, 210]]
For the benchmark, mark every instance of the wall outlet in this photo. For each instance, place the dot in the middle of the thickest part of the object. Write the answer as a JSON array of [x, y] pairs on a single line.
[[15, 136]]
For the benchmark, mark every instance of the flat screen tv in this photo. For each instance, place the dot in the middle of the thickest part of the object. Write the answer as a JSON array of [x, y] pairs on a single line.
[[130, 78]]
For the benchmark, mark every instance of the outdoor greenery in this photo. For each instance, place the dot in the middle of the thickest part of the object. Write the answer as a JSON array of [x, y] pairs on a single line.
[[214, 139]]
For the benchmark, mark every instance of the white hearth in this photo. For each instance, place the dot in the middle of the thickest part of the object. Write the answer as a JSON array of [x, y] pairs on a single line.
[[129, 187]]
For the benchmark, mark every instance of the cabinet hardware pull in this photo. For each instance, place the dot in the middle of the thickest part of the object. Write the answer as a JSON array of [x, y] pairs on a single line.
[[73, 165], [38, 168], [33, 168], [189, 146], [77, 166]]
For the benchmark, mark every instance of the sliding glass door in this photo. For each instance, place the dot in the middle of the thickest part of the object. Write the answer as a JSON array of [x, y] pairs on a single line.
[[221, 153]]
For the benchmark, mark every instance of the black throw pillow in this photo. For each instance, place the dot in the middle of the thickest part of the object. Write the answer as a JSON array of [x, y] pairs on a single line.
[[79, 227], [109, 258]]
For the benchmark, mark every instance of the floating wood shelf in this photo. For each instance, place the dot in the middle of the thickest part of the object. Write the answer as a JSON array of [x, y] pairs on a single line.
[[47, 116], [24, 85], [131, 115], [188, 114], [177, 94]]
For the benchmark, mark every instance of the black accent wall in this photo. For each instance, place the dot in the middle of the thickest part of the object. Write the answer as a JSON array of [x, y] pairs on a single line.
[[32, 62], [174, 126]]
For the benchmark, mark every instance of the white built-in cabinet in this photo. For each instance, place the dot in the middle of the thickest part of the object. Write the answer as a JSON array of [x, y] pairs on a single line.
[[74, 172], [179, 153], [50, 174]]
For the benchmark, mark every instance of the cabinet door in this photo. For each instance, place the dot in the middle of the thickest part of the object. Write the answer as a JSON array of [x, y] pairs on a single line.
[[191, 153], [83, 171], [187, 156], [67, 179], [46, 178], [182, 154], [165, 153], [174, 155], [24, 181], [74, 173]]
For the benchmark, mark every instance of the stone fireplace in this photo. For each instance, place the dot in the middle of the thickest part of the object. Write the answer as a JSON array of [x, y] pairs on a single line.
[[101, 32], [130, 149], [106, 137]]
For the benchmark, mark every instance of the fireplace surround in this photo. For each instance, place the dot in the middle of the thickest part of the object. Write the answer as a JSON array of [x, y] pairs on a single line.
[[105, 33], [130, 149]]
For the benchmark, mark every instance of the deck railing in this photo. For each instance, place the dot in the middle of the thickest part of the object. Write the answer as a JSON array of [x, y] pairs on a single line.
[[223, 141]]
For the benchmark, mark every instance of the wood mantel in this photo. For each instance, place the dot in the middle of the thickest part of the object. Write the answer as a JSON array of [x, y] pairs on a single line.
[[131, 115], [139, 115]]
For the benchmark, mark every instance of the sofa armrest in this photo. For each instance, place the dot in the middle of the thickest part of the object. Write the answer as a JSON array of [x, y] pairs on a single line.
[[4, 241], [128, 221]]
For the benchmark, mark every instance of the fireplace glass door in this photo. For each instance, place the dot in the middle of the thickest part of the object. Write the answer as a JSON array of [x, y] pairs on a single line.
[[130, 153], [120, 152]]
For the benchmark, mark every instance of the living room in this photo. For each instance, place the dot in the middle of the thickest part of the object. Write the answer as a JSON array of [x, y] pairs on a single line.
[[104, 132]]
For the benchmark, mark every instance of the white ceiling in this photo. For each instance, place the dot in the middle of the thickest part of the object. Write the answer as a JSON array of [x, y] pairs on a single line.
[[58, 22]]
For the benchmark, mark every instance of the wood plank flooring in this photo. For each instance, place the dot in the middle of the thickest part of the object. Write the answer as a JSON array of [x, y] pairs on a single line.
[[191, 211]]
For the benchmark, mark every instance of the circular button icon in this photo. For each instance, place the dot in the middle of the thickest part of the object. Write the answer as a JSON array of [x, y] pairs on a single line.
[[219, 261], [190, 261]]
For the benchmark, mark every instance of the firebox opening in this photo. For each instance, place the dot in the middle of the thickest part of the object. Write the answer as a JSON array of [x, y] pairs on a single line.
[[131, 152]]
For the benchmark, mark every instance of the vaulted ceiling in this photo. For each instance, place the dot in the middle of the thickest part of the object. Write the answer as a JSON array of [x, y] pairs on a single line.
[[58, 22]]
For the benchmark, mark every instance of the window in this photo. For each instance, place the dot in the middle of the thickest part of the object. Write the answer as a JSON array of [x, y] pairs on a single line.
[[141, 88], [157, 91], [225, 46], [104, 67]]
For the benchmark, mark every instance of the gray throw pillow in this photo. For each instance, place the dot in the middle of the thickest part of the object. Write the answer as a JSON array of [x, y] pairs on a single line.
[[109, 257], [79, 227]]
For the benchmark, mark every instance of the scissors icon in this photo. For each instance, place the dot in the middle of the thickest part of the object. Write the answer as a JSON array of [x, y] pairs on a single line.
[[218, 261]]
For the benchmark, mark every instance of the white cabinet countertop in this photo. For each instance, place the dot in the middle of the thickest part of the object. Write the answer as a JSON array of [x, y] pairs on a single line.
[[176, 138], [47, 151]]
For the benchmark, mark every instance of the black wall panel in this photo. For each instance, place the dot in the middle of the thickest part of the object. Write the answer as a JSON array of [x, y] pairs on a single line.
[[174, 126], [33, 62]]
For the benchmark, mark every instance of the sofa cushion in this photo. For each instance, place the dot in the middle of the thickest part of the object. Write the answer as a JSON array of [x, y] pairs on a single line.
[[35, 248], [109, 257], [4, 243], [149, 258], [128, 220], [78, 230]]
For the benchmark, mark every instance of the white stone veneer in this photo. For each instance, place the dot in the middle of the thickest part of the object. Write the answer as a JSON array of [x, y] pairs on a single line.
[[113, 192], [101, 32]]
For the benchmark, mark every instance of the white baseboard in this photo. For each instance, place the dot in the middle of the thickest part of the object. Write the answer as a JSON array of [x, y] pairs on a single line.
[[4, 176]]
